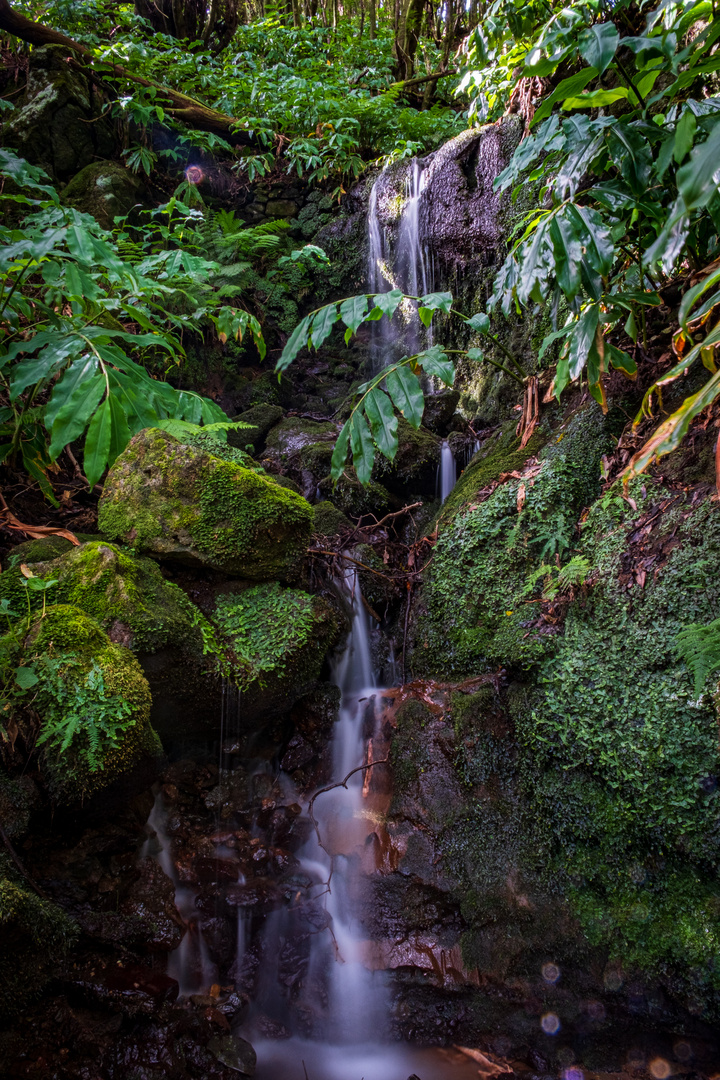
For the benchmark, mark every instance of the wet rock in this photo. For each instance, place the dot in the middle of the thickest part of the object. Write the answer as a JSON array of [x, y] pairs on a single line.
[[301, 449], [186, 504], [260, 895], [236, 1053], [151, 899], [59, 125], [131, 989], [440, 410], [414, 468], [261, 418]]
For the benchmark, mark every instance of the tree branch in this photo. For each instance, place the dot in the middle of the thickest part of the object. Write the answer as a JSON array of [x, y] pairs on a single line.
[[180, 107], [407, 83]]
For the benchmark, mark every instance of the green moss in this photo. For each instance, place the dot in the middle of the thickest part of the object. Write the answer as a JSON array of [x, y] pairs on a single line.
[[191, 505], [499, 454], [328, 520], [354, 500], [473, 614], [125, 594], [407, 755], [92, 700], [418, 454], [274, 641], [261, 417], [35, 935]]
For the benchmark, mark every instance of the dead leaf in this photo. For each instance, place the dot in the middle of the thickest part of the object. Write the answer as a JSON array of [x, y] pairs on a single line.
[[488, 1068], [36, 532], [521, 497], [25, 570]]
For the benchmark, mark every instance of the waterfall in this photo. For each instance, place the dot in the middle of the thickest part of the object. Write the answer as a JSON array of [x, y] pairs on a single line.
[[190, 963], [414, 266], [447, 472]]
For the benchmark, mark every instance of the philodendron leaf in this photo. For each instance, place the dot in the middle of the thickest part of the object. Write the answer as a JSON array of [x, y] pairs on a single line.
[[388, 302], [352, 313], [322, 325], [383, 422], [598, 44], [404, 388], [480, 322]]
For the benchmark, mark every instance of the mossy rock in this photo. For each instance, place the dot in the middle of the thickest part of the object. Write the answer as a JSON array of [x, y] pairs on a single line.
[[127, 595], [35, 934], [499, 454], [328, 520], [302, 450], [188, 505], [260, 418], [47, 547], [354, 500], [18, 798], [92, 700], [104, 189], [274, 642]]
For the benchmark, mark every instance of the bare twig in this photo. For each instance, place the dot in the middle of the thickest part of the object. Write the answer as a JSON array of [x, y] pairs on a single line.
[[340, 555], [389, 517]]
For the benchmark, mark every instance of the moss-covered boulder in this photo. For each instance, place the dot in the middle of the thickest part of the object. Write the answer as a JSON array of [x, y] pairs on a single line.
[[88, 708], [301, 449], [187, 504], [104, 189], [328, 520], [127, 595], [35, 934], [58, 125], [274, 642]]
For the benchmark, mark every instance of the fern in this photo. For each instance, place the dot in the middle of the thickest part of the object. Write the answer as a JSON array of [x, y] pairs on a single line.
[[699, 646]]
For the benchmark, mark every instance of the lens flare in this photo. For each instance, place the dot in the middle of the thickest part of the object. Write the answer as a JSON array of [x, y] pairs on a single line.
[[574, 1074], [550, 973], [659, 1069], [194, 174], [550, 1024]]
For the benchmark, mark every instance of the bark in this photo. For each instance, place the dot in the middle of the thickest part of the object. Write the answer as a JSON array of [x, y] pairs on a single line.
[[373, 19], [178, 106]]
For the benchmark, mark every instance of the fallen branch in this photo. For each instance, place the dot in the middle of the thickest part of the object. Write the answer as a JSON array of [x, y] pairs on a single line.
[[407, 83], [340, 555], [181, 106], [389, 517]]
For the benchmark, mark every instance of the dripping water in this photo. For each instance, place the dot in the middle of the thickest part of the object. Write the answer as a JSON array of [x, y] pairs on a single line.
[[447, 472]]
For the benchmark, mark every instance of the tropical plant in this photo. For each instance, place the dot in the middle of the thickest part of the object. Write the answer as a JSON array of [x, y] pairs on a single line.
[[91, 325]]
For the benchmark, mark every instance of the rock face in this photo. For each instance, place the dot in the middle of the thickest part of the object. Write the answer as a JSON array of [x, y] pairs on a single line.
[[190, 505], [58, 125]]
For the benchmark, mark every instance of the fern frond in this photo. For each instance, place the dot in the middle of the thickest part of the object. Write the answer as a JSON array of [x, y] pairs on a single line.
[[699, 646]]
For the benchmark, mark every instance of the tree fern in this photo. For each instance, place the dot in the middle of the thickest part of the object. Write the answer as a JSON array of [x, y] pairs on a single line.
[[699, 646]]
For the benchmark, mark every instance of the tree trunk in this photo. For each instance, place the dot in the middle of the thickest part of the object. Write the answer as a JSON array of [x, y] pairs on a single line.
[[373, 19], [178, 106]]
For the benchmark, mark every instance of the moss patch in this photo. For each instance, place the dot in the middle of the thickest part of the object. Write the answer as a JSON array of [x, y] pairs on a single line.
[[189, 505]]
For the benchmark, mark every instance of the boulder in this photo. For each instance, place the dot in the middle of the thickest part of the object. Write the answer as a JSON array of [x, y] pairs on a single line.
[[59, 124], [414, 468], [92, 700], [191, 505], [104, 189], [261, 418], [127, 595]]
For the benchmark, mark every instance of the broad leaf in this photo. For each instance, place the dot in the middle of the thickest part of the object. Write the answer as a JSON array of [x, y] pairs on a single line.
[[72, 419], [383, 422], [567, 88], [698, 179], [322, 325], [298, 340], [337, 463], [98, 441], [404, 389], [352, 313], [388, 302], [598, 45], [480, 322], [362, 448], [435, 361]]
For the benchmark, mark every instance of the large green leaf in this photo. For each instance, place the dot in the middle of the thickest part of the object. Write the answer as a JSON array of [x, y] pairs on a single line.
[[598, 45], [298, 340], [71, 420], [322, 325], [388, 302], [435, 361], [119, 430], [80, 370], [98, 441], [567, 88], [698, 179], [352, 313], [339, 456], [404, 389], [383, 422], [362, 447]]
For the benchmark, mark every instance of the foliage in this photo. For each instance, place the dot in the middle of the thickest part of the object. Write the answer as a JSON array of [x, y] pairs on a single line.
[[624, 156], [372, 424], [699, 647], [77, 304], [263, 627]]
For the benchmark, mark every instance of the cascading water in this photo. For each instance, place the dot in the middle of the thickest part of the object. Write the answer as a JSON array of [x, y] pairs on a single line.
[[447, 472], [412, 259]]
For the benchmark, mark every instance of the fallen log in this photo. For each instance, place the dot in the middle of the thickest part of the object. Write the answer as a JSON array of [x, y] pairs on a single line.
[[179, 106]]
